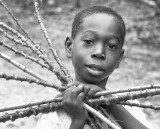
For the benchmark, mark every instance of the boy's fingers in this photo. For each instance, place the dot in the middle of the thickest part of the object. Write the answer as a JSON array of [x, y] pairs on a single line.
[[81, 97], [92, 92], [72, 92], [86, 89], [77, 90]]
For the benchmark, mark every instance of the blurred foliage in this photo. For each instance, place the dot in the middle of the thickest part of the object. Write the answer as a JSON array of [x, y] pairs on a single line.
[[147, 29]]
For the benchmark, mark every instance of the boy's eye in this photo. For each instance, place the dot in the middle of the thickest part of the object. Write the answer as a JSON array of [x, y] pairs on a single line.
[[89, 42], [112, 46]]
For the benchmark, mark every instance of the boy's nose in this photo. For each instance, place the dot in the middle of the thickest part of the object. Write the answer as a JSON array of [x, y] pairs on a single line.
[[99, 52]]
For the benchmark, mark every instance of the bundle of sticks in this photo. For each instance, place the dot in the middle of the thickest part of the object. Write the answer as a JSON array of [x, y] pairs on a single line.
[[118, 96]]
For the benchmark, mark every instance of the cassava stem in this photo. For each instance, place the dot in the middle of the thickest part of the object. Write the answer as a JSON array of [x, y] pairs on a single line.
[[24, 69], [150, 86], [53, 50], [30, 80]]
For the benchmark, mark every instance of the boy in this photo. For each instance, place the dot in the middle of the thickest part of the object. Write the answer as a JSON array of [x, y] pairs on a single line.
[[95, 47]]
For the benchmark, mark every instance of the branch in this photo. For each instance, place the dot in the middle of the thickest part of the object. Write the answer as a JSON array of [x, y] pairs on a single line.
[[30, 80], [125, 97], [53, 50], [151, 86], [26, 70], [29, 105], [30, 111], [111, 118], [23, 54], [12, 38], [46, 108], [36, 49], [17, 22], [139, 105]]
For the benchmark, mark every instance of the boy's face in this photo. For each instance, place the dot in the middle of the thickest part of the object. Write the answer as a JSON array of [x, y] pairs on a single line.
[[97, 49]]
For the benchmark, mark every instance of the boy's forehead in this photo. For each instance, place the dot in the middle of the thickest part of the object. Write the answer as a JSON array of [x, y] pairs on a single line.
[[103, 23]]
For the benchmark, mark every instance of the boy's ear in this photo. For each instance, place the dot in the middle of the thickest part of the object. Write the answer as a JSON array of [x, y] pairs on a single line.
[[120, 58], [68, 47]]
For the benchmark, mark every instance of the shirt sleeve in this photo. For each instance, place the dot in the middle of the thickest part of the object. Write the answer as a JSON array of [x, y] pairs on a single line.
[[54, 120]]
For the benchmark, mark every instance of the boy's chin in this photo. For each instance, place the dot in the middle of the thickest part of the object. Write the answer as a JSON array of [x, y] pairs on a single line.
[[95, 80]]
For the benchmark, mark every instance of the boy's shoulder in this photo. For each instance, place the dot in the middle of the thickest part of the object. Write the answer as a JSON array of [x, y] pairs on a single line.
[[138, 114]]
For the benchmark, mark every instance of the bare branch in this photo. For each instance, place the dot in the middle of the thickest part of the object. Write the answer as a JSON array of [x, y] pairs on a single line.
[[125, 97], [30, 80], [25, 69], [30, 111], [12, 38], [23, 54], [17, 22], [29, 105], [139, 105], [151, 86], [53, 50], [36, 49]]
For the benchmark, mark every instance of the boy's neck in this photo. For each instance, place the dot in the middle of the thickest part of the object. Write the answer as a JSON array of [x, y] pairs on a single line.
[[100, 84]]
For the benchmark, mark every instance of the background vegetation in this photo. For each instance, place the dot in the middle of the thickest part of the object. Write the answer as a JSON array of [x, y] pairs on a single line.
[[140, 66]]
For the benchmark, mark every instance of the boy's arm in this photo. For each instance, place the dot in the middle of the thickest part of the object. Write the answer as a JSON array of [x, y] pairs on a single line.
[[125, 119]]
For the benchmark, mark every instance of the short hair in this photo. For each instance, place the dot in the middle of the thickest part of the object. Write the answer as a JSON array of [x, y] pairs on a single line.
[[78, 20]]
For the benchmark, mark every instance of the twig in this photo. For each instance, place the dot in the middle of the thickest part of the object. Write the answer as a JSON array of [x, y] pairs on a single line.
[[24, 69], [15, 116], [57, 73], [17, 22], [139, 105], [98, 122], [25, 42], [91, 122], [99, 115], [111, 118], [19, 42], [53, 50], [29, 105], [125, 97], [30, 80], [110, 99], [23, 54], [30, 111], [151, 86], [35, 48], [21, 37]]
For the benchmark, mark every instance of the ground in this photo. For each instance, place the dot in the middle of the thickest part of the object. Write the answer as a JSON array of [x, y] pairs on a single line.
[[140, 65]]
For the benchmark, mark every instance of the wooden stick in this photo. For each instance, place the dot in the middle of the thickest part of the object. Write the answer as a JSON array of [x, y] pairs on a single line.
[[24, 69], [25, 42], [17, 42], [30, 111], [31, 80], [29, 105], [20, 36], [17, 22], [141, 105], [125, 97], [53, 50], [150, 86], [24, 55], [99, 115]]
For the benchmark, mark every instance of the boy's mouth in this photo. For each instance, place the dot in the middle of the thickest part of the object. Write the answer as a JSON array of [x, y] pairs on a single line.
[[95, 67]]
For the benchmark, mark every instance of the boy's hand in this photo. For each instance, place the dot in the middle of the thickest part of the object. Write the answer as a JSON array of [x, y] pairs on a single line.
[[89, 89], [72, 99]]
